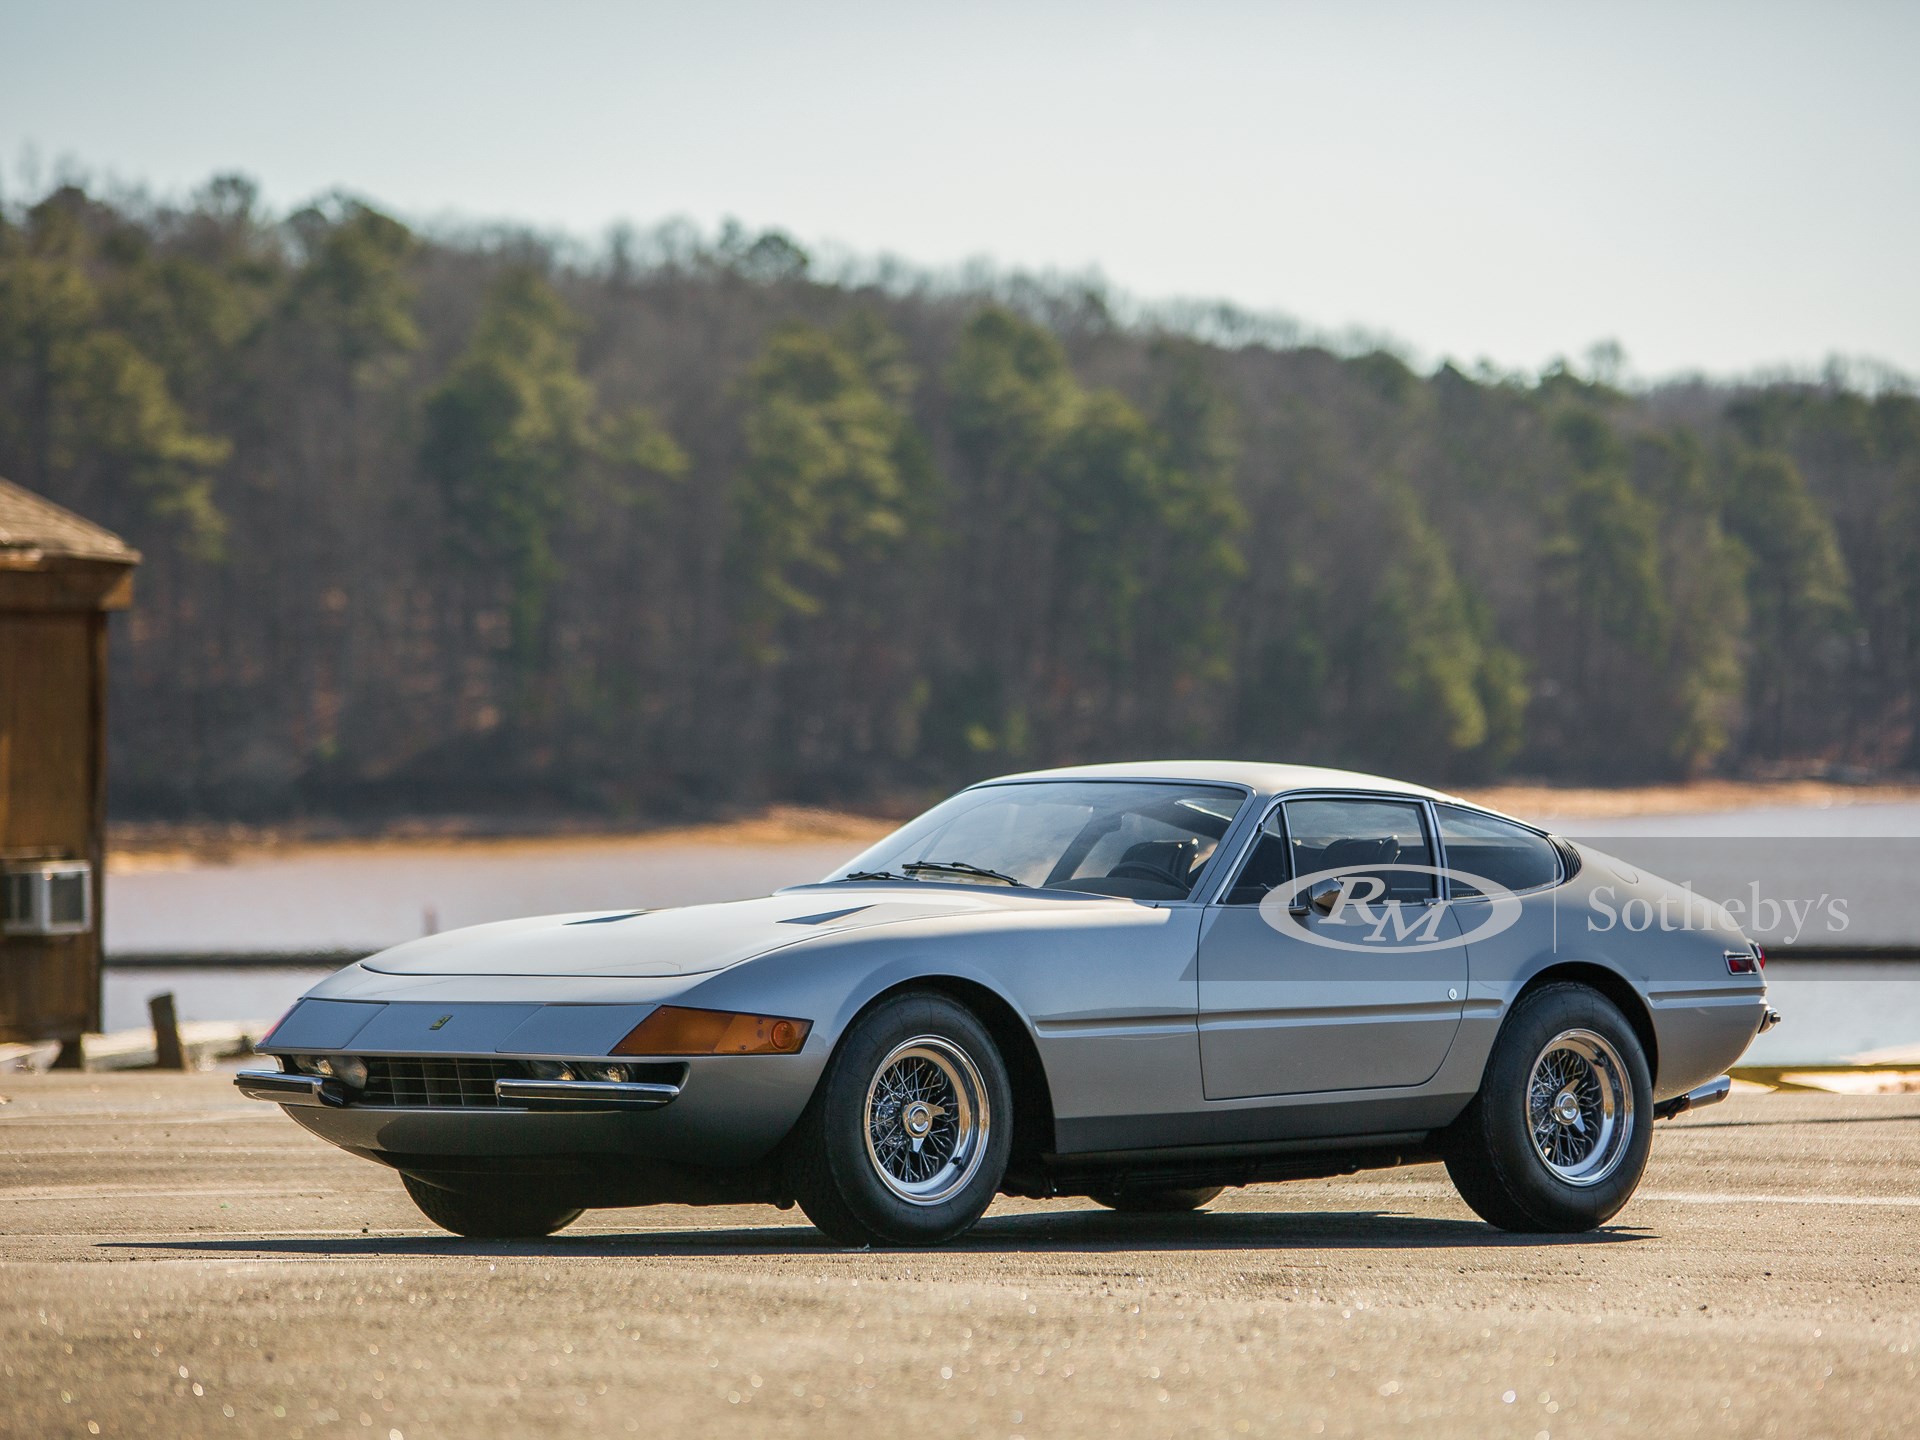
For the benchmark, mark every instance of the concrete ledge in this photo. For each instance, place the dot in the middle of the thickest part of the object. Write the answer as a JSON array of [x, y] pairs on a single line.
[[205, 1043]]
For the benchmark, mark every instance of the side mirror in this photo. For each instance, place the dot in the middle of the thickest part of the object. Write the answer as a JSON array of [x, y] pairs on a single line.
[[1322, 896]]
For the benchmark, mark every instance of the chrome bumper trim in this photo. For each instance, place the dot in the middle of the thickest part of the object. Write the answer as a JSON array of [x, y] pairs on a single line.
[[1711, 1093], [285, 1089], [1768, 1021], [585, 1094]]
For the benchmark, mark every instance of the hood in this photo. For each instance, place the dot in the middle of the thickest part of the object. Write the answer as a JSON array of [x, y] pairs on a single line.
[[690, 940]]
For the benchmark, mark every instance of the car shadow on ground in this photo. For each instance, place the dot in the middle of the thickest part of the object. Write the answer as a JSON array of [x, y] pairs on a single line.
[[1078, 1231], [1681, 1129]]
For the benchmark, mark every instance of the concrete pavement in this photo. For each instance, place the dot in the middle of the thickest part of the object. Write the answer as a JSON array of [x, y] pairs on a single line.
[[177, 1261]]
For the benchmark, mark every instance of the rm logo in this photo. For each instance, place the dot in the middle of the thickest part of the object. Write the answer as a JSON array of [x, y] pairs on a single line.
[[441, 1021]]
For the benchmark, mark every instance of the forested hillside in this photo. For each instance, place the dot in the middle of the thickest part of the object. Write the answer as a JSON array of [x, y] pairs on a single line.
[[439, 524]]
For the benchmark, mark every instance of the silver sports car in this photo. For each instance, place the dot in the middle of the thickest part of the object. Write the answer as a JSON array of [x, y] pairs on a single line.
[[1138, 983]]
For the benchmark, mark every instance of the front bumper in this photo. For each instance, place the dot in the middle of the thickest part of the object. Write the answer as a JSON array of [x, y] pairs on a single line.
[[581, 1096], [287, 1089], [724, 1110], [728, 1111]]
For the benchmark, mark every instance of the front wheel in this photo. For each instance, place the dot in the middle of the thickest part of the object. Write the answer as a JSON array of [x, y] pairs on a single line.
[[488, 1214], [906, 1139], [1558, 1136]]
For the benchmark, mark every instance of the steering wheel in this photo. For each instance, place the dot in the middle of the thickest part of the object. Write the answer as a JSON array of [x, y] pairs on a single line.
[[1140, 870]]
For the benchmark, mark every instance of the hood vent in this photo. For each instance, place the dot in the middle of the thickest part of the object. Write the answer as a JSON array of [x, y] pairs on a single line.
[[824, 916]]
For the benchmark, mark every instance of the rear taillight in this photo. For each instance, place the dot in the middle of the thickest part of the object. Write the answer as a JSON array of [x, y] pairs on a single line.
[[1750, 961]]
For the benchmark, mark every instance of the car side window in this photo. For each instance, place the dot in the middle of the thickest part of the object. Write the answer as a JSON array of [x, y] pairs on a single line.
[[1496, 850], [1265, 867], [1361, 837]]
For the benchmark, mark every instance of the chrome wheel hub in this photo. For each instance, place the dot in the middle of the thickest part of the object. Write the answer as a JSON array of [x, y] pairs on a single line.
[[927, 1120], [1580, 1107]]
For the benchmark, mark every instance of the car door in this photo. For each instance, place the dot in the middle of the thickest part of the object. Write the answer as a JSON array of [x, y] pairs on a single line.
[[1364, 990]]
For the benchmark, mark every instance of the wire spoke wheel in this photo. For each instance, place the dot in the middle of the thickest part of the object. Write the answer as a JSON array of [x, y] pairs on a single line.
[[1580, 1107], [927, 1120]]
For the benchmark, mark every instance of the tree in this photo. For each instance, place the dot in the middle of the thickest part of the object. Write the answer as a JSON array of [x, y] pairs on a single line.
[[353, 293], [1144, 559], [1694, 703], [1797, 588], [1011, 400], [1199, 561], [834, 510], [514, 441], [834, 472], [1605, 619], [901, 535], [1442, 695], [88, 418]]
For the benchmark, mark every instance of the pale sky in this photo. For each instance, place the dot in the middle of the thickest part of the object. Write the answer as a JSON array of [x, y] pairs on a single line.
[[1723, 187]]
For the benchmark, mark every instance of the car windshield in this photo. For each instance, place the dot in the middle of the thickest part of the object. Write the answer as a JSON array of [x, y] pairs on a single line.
[[1141, 840]]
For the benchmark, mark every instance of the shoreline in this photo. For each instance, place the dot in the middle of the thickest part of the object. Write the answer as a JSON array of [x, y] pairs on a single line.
[[138, 846], [160, 845]]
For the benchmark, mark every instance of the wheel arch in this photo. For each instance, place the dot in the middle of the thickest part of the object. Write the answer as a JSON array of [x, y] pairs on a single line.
[[1033, 1118], [1616, 987]]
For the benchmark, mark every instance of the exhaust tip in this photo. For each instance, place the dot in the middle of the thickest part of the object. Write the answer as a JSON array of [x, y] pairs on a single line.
[[1711, 1093]]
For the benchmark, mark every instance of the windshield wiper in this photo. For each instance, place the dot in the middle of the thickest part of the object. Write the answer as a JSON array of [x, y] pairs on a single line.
[[960, 867], [874, 875]]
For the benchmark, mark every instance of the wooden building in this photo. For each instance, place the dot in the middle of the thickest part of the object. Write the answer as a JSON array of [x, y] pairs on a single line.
[[59, 576]]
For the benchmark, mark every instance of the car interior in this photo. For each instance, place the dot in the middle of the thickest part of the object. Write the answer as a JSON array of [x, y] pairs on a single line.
[[1152, 850]]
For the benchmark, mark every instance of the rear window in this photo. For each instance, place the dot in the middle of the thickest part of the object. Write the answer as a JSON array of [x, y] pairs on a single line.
[[1498, 850]]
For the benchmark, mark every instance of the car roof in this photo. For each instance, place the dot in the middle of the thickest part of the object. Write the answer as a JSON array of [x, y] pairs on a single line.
[[1261, 777]]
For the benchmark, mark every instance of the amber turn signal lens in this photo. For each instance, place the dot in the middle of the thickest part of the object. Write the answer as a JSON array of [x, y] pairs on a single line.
[[676, 1030]]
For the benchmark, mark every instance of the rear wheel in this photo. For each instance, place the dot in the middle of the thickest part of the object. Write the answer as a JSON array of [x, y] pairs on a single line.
[[1558, 1136], [906, 1139], [1166, 1201], [487, 1214]]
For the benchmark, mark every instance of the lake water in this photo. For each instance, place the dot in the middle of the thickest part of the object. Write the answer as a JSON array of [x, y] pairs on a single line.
[[361, 899]]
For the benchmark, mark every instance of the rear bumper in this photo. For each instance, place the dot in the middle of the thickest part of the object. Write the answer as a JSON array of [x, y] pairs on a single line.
[[1702, 1031]]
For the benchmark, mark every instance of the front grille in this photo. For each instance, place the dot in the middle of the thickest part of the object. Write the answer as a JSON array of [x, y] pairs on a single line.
[[420, 1082], [429, 1082]]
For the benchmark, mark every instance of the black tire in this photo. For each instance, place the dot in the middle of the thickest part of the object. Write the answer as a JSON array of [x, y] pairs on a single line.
[[1158, 1202], [487, 1214], [1490, 1151], [913, 1054]]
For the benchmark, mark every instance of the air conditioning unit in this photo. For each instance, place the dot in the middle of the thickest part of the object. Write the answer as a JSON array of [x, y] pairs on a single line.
[[46, 897]]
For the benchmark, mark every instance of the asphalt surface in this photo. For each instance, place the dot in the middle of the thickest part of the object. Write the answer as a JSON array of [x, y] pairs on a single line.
[[177, 1261]]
